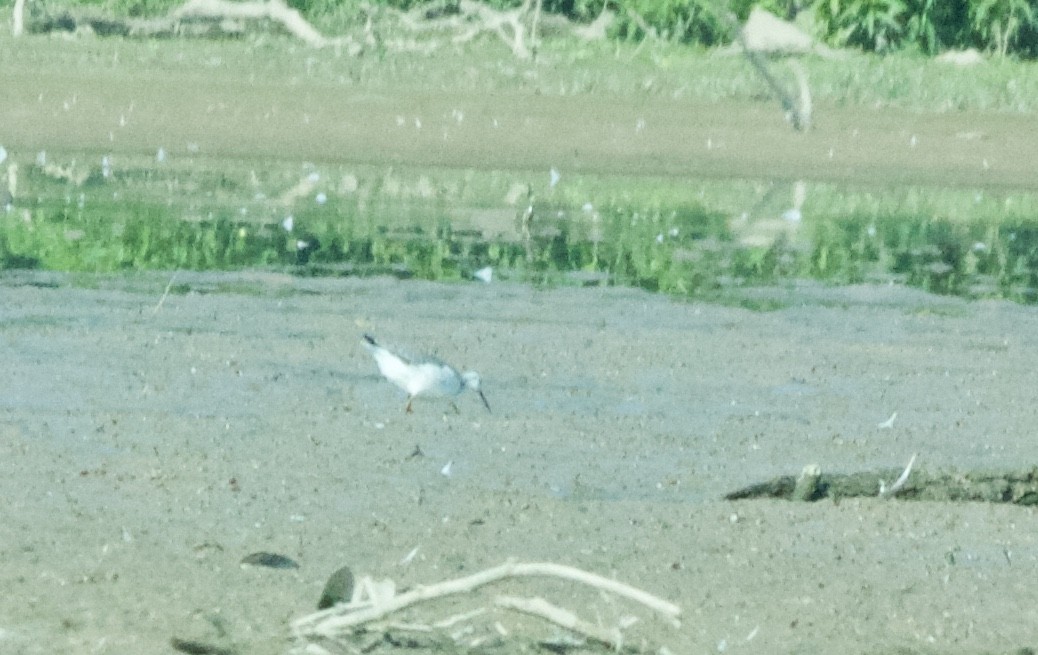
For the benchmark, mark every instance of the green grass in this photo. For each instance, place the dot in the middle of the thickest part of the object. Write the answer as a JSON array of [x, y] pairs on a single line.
[[564, 67], [671, 236]]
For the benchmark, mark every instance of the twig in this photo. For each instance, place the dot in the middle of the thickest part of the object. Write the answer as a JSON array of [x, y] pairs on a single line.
[[611, 637], [890, 492], [165, 293]]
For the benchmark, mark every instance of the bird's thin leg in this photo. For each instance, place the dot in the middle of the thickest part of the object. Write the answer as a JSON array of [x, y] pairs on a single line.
[[407, 409], [456, 410]]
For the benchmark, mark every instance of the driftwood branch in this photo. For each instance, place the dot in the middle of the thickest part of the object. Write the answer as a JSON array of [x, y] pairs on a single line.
[[372, 610], [797, 109], [333, 621], [194, 17], [473, 19], [458, 23], [798, 114], [275, 10]]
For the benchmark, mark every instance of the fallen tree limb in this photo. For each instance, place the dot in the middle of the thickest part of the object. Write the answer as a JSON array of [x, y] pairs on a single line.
[[275, 10], [219, 18], [798, 114], [336, 620]]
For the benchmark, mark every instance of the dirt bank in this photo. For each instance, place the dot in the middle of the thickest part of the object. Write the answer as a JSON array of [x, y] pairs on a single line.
[[224, 113]]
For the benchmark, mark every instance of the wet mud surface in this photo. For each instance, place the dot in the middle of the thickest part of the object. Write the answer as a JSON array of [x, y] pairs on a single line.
[[149, 448]]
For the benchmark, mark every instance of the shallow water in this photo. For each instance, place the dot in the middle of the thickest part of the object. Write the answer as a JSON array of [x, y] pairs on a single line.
[[702, 239]]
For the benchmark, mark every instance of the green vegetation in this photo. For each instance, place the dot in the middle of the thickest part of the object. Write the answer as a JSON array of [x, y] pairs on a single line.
[[1002, 27], [673, 236], [661, 70], [702, 240]]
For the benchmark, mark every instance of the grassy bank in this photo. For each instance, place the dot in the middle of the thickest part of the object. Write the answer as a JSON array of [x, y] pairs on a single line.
[[564, 67]]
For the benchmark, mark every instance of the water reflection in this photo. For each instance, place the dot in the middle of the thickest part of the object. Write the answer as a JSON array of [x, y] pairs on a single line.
[[768, 221], [691, 238]]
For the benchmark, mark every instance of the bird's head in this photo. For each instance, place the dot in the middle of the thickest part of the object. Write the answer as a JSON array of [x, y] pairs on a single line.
[[471, 381]]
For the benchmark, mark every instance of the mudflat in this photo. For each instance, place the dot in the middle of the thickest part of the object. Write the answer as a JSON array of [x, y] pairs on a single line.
[[149, 448]]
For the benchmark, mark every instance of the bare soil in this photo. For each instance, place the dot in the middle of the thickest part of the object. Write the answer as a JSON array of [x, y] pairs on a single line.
[[147, 452], [147, 449]]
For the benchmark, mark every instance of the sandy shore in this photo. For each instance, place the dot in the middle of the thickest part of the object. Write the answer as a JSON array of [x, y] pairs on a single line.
[[146, 449]]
